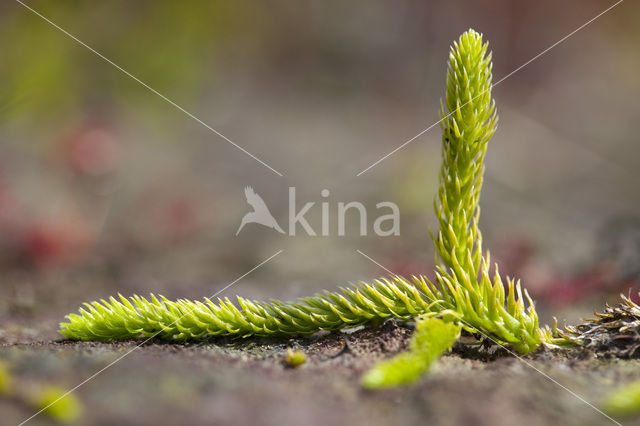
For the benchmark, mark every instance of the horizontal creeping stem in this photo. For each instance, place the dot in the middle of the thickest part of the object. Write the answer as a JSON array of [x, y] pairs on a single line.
[[181, 320], [136, 317]]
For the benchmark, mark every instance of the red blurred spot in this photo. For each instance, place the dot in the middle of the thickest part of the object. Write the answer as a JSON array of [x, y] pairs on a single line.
[[92, 151], [44, 245], [54, 243], [179, 219]]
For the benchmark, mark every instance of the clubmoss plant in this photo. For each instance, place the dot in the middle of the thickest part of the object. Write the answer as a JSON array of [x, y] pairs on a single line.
[[482, 303], [463, 279], [130, 318]]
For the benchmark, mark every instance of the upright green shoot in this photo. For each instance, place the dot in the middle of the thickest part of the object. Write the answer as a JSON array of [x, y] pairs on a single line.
[[463, 280]]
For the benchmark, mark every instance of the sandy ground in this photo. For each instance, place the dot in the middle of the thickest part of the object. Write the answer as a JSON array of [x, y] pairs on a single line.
[[231, 381]]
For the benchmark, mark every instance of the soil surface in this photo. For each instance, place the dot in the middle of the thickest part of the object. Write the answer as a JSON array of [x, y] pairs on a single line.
[[246, 381]]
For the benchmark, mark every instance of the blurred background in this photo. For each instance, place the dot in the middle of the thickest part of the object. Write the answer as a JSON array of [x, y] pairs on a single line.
[[105, 187]]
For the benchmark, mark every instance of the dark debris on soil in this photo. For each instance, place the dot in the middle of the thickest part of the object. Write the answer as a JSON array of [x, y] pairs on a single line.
[[614, 332]]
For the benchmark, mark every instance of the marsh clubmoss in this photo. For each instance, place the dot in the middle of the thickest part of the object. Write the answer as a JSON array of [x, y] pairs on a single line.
[[480, 302]]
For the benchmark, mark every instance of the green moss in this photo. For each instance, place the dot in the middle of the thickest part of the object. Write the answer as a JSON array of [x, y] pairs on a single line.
[[295, 358], [62, 408], [623, 401], [432, 338], [5, 379]]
